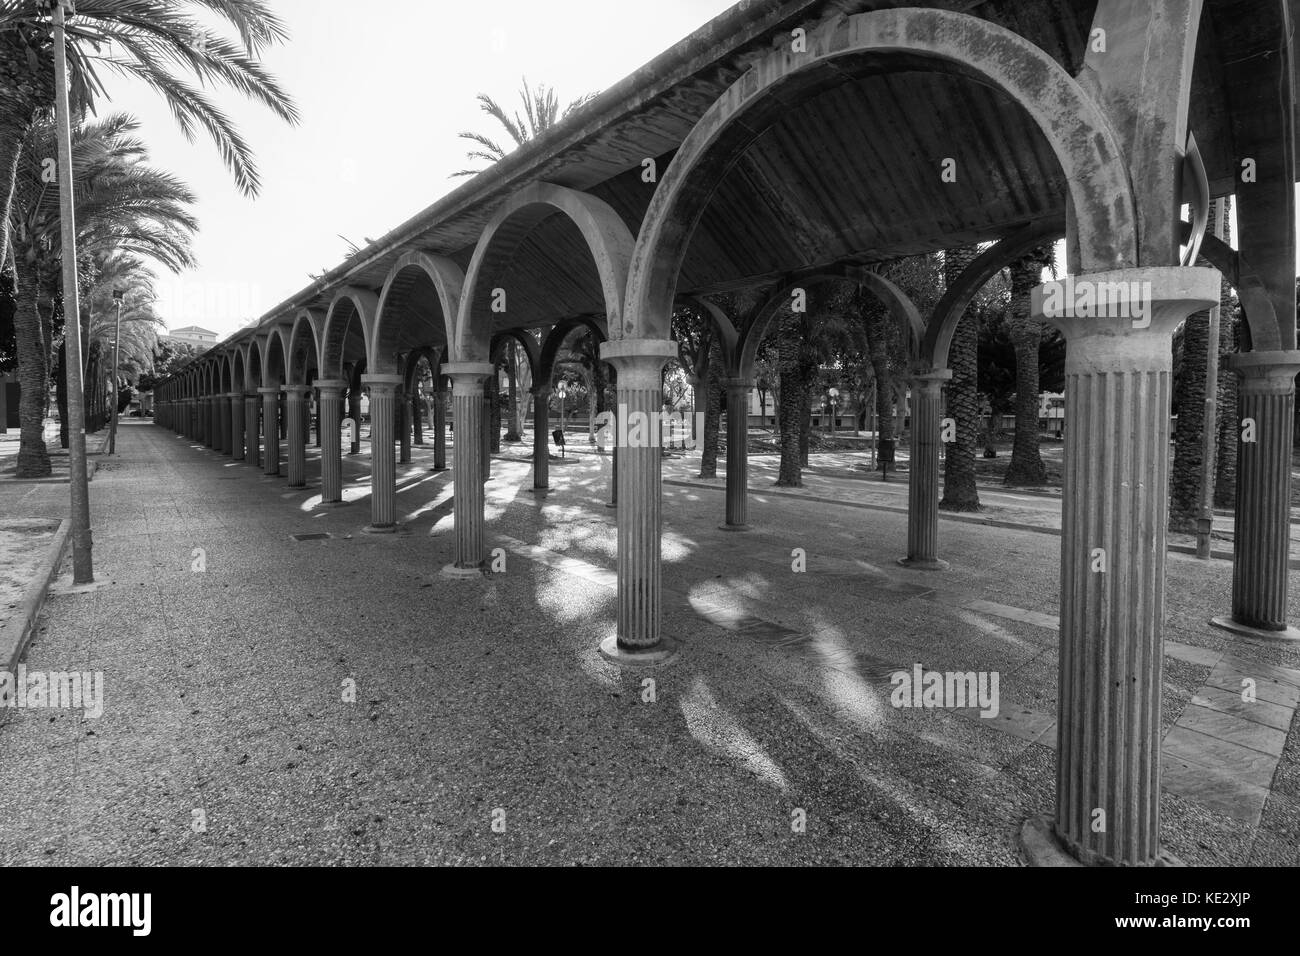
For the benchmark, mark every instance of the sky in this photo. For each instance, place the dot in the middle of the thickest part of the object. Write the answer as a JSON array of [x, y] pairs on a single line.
[[384, 89]]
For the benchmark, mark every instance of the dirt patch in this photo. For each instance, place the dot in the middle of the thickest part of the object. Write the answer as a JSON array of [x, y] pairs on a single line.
[[24, 543]]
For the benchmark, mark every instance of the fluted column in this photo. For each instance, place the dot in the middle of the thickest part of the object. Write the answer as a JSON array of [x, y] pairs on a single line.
[[486, 428], [223, 417], [1115, 502], [923, 471], [295, 417], [1262, 536], [439, 428], [270, 430], [468, 408], [639, 366], [252, 450], [417, 413], [383, 470], [403, 427], [354, 413], [235, 415], [331, 441], [738, 393], [541, 438]]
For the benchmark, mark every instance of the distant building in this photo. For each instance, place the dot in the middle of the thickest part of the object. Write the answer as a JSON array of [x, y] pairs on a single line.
[[191, 335]]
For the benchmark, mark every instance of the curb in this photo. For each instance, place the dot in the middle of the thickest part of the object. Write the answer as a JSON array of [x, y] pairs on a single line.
[[17, 633]]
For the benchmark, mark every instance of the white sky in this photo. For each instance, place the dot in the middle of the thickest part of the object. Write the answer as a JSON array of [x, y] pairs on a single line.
[[384, 89]]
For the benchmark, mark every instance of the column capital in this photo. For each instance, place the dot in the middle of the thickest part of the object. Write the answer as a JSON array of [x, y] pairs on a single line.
[[468, 371], [298, 392], [1266, 373], [381, 380], [926, 379], [1126, 315], [639, 362], [738, 384], [330, 384], [269, 390], [540, 391]]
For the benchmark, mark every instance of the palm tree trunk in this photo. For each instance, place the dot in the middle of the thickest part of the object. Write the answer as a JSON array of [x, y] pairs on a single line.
[[61, 393], [33, 458], [791, 397], [712, 411], [959, 491], [1187, 475], [1026, 466], [512, 429], [1225, 471]]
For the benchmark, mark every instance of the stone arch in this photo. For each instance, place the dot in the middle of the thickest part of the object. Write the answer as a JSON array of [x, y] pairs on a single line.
[[952, 305], [555, 339], [275, 364], [531, 349], [225, 373], [1256, 304], [753, 336], [238, 367], [253, 362], [1074, 126], [349, 303], [430, 354], [728, 338], [304, 345], [383, 336], [606, 235]]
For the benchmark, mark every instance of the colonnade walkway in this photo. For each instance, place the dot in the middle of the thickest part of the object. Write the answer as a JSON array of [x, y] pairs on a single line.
[[486, 727]]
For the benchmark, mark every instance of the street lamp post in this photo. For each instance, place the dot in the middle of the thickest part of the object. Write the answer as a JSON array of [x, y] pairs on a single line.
[[82, 565], [561, 389], [117, 351], [831, 395]]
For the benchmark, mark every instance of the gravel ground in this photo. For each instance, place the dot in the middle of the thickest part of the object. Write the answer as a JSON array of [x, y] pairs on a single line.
[[485, 727]]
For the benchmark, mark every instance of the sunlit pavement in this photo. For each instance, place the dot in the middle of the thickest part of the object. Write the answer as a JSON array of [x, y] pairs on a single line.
[[229, 651]]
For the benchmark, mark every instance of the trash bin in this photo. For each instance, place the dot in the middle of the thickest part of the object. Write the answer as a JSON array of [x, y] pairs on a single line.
[[557, 436]]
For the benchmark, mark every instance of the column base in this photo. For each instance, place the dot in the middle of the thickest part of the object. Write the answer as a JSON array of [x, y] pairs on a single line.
[[332, 504], [455, 571], [665, 652], [540, 491], [611, 504], [1226, 623], [379, 529], [924, 564], [443, 468], [733, 527], [1039, 846]]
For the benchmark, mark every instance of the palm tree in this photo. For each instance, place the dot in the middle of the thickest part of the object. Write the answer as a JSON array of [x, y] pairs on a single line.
[[1026, 467], [959, 492], [541, 112], [159, 42], [1187, 474], [123, 206]]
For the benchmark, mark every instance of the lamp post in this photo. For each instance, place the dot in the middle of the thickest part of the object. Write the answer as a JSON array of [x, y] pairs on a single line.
[[117, 351], [82, 565], [561, 389], [831, 395]]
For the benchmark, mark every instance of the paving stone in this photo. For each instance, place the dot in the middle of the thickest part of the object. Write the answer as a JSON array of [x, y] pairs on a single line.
[[1259, 710], [1234, 729]]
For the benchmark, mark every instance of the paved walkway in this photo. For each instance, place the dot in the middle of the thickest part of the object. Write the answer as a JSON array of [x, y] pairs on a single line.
[[271, 697]]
